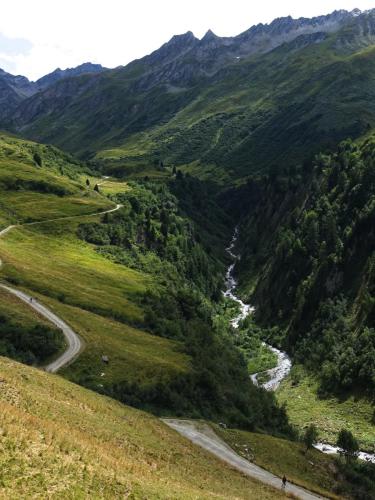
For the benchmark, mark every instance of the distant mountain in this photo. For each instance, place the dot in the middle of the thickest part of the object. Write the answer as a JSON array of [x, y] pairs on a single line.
[[15, 89], [185, 57], [59, 74], [269, 96]]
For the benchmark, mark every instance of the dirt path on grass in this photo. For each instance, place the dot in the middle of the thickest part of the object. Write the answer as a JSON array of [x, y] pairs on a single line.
[[73, 341], [202, 435]]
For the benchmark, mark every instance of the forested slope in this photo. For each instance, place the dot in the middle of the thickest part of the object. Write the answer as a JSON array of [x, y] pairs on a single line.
[[308, 263]]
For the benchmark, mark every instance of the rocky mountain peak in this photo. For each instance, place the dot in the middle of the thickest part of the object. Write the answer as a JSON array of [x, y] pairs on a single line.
[[177, 45], [210, 35], [59, 73], [184, 38]]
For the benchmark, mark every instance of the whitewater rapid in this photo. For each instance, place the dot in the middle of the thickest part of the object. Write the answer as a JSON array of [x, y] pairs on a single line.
[[330, 450], [274, 375]]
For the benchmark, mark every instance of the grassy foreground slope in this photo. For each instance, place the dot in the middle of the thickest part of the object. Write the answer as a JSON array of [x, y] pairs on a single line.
[[60, 440]]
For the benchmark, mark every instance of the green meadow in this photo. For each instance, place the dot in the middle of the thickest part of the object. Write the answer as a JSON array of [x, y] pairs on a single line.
[[54, 187], [50, 259], [329, 414], [98, 298], [312, 470]]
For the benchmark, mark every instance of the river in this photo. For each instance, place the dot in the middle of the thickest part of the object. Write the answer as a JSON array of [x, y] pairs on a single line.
[[274, 376]]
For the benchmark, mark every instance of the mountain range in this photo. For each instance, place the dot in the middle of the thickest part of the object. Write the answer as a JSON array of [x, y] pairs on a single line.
[[231, 103], [14, 89]]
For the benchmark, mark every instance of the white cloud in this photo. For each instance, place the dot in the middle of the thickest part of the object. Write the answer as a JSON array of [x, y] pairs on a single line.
[[114, 32]]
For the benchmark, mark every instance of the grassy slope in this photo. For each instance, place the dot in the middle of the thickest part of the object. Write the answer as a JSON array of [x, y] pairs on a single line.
[[134, 355], [44, 258], [30, 192], [34, 254], [59, 440], [314, 470], [329, 415], [88, 290], [18, 311]]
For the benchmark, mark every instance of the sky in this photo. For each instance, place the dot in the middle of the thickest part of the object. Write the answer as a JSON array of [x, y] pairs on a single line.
[[37, 36]]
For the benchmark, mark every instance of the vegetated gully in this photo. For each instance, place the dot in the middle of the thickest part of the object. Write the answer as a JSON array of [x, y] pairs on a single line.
[[274, 376]]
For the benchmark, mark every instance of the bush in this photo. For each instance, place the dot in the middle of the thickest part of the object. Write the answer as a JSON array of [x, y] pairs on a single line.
[[30, 345], [37, 158], [348, 444], [310, 436]]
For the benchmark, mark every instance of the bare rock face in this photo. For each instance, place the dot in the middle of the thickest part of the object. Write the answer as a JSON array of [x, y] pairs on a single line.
[[184, 59]]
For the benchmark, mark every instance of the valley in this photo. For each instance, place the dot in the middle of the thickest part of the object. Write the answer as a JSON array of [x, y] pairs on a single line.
[[187, 252]]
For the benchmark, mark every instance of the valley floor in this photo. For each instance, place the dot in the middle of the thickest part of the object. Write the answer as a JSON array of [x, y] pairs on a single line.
[[330, 414]]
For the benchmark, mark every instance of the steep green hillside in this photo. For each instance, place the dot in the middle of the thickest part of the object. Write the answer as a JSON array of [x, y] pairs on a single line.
[[308, 267], [60, 440], [39, 182], [265, 112]]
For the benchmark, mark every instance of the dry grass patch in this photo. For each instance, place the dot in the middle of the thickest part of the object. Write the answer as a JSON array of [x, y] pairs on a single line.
[[59, 440]]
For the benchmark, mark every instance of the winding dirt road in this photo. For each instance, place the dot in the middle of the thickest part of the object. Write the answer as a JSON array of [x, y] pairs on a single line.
[[202, 435], [74, 342]]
